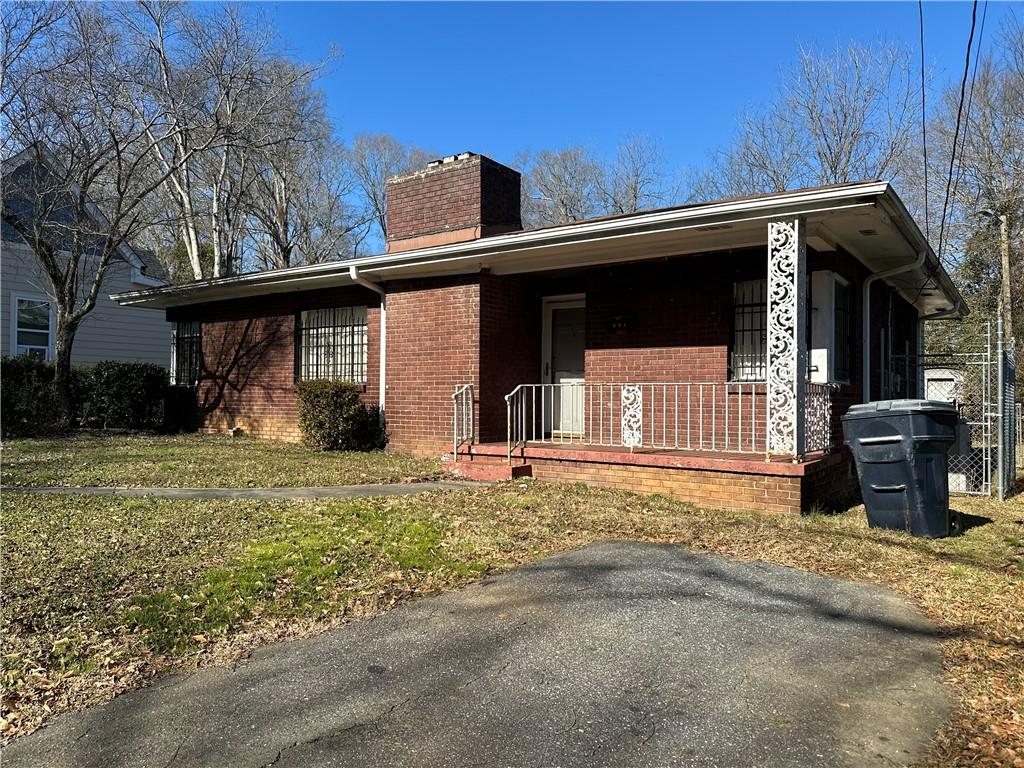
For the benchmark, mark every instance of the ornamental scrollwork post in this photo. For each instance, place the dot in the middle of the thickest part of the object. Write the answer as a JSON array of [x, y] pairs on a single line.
[[787, 348], [632, 415]]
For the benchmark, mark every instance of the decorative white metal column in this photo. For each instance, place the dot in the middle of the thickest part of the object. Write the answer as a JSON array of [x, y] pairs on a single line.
[[787, 347]]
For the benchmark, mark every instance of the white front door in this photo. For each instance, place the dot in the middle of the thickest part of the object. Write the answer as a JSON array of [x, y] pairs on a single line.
[[565, 346]]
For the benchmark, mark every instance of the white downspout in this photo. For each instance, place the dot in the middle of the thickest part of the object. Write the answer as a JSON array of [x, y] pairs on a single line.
[[353, 273], [866, 315]]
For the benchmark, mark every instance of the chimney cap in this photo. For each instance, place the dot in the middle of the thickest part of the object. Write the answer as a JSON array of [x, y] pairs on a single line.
[[451, 159]]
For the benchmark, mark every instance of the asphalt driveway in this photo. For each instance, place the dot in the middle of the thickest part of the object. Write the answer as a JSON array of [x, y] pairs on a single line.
[[617, 654]]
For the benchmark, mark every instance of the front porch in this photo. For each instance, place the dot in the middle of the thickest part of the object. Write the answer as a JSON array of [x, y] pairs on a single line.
[[702, 442], [694, 376], [720, 479]]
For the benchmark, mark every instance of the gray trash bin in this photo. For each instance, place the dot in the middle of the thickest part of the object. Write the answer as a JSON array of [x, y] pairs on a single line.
[[900, 449]]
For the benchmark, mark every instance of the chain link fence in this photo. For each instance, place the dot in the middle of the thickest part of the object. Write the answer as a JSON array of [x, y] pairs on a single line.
[[982, 384]]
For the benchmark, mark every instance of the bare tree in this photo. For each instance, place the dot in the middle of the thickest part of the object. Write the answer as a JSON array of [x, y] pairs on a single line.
[[766, 156], [846, 116], [561, 186], [298, 206], [574, 183], [986, 216], [375, 158], [77, 194], [21, 25], [637, 178], [226, 97], [326, 226]]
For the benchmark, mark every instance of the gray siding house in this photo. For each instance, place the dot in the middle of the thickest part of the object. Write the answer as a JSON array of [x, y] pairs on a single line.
[[109, 332]]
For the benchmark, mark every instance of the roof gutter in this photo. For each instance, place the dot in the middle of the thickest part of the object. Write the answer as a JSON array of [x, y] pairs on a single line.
[[669, 220], [866, 317], [358, 279]]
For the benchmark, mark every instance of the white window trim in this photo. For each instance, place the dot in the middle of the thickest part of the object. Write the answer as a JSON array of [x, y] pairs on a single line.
[[823, 331], [17, 296], [173, 368]]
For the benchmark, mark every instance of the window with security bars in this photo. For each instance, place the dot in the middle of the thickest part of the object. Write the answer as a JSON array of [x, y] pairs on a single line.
[[186, 353], [333, 344], [747, 358]]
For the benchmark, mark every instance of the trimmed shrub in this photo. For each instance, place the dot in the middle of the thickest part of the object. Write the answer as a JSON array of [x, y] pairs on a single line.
[[127, 395], [333, 418], [113, 393], [181, 411], [27, 398]]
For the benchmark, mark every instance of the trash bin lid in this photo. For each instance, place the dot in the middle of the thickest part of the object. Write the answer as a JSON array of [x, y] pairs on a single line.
[[899, 408]]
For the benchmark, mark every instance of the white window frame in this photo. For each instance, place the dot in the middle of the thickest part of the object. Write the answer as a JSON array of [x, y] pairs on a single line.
[[174, 352], [51, 332], [332, 366], [822, 353]]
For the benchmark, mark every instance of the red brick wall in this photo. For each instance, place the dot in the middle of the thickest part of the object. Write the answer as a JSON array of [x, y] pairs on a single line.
[[676, 313], [831, 486], [486, 330], [248, 378], [510, 334], [433, 346]]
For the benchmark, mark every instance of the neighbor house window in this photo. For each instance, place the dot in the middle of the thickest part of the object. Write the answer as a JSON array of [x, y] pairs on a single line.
[[186, 353], [747, 359], [843, 330], [332, 344], [33, 330]]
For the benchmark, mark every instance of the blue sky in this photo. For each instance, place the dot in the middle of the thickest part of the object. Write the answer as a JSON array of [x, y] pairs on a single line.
[[497, 78]]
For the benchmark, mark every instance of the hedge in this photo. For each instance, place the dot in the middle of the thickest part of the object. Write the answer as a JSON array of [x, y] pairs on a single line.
[[333, 418], [111, 394], [126, 395]]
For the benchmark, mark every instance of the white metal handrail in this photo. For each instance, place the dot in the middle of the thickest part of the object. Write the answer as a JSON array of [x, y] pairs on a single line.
[[463, 417], [728, 417], [699, 416]]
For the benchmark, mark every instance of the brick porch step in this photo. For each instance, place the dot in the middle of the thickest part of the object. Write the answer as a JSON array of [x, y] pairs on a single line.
[[473, 466], [473, 470]]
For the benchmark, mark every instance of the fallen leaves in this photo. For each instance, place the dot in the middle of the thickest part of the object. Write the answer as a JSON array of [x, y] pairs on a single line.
[[221, 578]]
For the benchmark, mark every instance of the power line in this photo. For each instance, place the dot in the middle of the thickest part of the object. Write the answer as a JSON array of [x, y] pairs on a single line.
[[963, 143], [924, 123], [970, 101], [956, 131]]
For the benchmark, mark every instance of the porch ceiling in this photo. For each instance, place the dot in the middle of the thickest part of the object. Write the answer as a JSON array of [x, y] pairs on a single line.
[[866, 219]]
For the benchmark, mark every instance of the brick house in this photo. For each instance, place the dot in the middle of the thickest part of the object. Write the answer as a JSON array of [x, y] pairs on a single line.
[[703, 351]]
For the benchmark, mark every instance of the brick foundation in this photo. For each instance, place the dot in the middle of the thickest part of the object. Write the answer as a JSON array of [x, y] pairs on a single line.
[[716, 481]]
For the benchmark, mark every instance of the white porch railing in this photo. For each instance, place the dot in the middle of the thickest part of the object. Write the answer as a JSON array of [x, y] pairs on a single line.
[[463, 417], [723, 417]]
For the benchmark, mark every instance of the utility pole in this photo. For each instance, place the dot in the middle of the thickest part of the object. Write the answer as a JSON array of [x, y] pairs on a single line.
[[1005, 298]]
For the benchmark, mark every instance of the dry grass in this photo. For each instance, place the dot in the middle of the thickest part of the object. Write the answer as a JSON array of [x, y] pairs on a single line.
[[197, 461], [79, 640]]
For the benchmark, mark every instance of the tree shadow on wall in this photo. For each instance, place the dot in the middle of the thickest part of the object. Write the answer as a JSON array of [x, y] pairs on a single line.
[[245, 361]]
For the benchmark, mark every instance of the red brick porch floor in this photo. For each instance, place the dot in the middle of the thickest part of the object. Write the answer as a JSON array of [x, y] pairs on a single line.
[[722, 461]]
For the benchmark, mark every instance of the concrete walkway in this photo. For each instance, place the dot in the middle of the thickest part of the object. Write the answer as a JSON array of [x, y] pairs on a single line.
[[323, 492], [617, 654]]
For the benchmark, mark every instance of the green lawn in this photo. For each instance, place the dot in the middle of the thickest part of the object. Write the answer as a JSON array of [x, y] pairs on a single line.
[[102, 593], [197, 461]]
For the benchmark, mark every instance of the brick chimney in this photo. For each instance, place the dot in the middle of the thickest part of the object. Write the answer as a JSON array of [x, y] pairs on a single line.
[[455, 199]]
